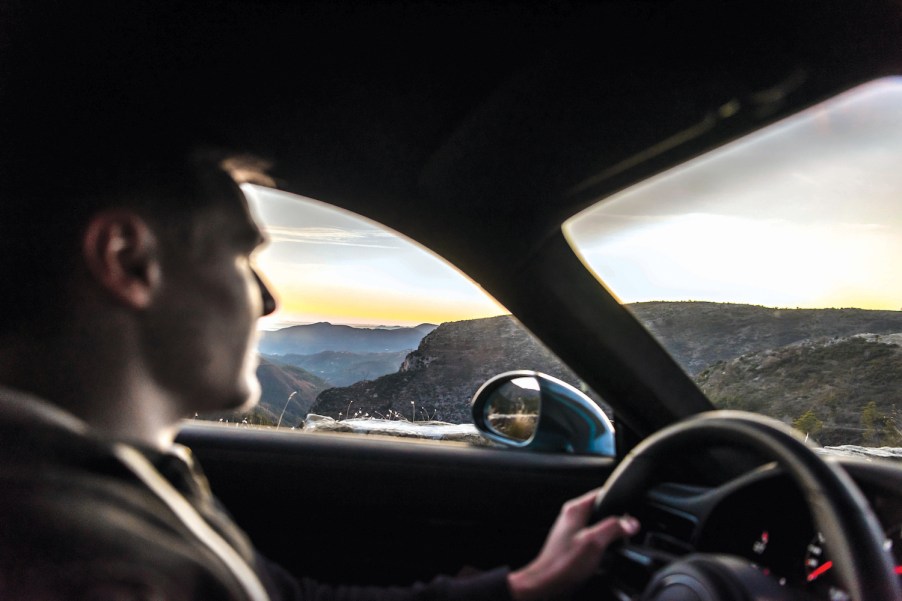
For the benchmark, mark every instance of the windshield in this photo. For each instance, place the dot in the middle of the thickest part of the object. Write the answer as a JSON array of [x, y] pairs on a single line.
[[769, 268]]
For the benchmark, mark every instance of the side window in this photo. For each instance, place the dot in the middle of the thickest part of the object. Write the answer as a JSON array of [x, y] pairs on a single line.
[[373, 334]]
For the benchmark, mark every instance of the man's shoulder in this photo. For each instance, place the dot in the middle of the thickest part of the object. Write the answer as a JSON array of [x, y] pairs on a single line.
[[91, 534], [75, 523]]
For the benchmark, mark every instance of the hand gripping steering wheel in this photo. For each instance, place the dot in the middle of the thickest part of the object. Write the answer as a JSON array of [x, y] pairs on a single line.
[[840, 512]]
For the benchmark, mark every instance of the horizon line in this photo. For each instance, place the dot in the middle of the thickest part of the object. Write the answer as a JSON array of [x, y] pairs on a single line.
[[287, 324]]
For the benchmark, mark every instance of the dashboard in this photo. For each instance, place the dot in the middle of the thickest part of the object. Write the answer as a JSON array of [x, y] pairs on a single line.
[[761, 517]]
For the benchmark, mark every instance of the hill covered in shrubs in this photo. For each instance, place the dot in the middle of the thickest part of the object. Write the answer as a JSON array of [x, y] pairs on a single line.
[[834, 373]]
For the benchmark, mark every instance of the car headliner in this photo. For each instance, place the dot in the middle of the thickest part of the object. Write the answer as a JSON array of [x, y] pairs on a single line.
[[477, 128]]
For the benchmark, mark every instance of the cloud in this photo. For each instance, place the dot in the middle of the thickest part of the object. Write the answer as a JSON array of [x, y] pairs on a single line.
[[330, 236]]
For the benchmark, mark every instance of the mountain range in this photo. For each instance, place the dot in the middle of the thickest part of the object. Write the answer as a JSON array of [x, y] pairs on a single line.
[[318, 337], [834, 371], [343, 368]]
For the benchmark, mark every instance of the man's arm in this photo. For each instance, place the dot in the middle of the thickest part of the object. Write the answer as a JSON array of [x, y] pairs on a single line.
[[569, 557]]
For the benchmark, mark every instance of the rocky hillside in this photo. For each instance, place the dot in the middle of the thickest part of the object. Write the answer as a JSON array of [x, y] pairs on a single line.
[[844, 390], [698, 334], [438, 380], [278, 382], [834, 371]]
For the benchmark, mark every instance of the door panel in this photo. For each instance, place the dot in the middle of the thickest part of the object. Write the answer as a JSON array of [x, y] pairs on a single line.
[[351, 509]]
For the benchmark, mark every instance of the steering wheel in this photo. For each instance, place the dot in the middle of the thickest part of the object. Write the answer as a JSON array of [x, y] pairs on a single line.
[[840, 512]]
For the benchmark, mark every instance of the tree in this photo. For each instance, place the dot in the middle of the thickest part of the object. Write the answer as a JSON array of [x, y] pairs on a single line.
[[870, 420], [808, 423], [891, 436]]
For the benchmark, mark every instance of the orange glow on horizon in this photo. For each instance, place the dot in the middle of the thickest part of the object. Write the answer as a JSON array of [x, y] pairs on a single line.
[[344, 306]]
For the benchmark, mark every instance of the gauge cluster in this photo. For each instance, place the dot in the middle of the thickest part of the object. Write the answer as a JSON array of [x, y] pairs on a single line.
[[763, 517], [765, 521]]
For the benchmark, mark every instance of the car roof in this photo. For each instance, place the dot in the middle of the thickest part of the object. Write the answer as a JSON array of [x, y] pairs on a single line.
[[477, 128]]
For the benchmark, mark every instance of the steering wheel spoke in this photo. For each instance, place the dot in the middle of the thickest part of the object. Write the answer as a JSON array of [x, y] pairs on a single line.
[[840, 511], [628, 568]]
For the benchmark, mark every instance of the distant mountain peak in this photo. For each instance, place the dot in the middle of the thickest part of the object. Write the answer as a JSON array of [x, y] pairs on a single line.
[[323, 336]]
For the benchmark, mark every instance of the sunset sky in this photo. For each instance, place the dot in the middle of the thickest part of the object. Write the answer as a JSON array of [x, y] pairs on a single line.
[[807, 213], [326, 264]]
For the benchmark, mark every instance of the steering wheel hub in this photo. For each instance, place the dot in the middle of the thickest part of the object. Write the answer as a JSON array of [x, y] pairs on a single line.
[[708, 577]]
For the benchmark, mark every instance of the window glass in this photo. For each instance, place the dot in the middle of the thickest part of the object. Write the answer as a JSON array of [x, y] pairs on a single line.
[[769, 268], [373, 333]]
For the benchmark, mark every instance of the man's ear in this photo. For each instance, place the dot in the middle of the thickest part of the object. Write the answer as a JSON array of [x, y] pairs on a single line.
[[120, 251]]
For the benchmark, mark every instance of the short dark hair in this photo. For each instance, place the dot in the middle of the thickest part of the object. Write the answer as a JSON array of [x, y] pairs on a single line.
[[96, 115], [55, 177]]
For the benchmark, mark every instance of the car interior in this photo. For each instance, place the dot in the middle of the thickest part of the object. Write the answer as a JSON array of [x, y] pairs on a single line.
[[477, 129]]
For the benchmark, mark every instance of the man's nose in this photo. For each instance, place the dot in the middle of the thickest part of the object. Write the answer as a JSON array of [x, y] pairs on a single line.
[[269, 301]]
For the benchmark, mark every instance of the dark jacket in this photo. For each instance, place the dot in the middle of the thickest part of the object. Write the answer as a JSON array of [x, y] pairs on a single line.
[[84, 518]]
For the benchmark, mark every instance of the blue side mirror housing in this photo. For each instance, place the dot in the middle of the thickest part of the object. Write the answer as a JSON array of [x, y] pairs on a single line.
[[532, 410]]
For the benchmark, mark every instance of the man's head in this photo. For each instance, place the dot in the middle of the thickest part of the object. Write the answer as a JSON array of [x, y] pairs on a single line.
[[137, 234], [208, 299]]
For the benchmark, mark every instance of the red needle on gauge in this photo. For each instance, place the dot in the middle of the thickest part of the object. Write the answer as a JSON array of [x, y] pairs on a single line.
[[820, 570]]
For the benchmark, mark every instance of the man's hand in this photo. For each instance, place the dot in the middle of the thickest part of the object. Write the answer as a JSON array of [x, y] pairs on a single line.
[[571, 553]]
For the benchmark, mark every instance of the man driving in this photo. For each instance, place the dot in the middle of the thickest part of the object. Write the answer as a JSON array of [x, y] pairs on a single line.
[[133, 305]]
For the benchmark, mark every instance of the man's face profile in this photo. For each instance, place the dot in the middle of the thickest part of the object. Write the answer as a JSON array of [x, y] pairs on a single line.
[[204, 323]]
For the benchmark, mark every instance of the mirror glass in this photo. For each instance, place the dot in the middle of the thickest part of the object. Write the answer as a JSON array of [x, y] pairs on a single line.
[[512, 410]]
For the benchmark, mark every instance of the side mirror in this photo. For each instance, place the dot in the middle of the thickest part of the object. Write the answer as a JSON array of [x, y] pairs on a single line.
[[528, 409]]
